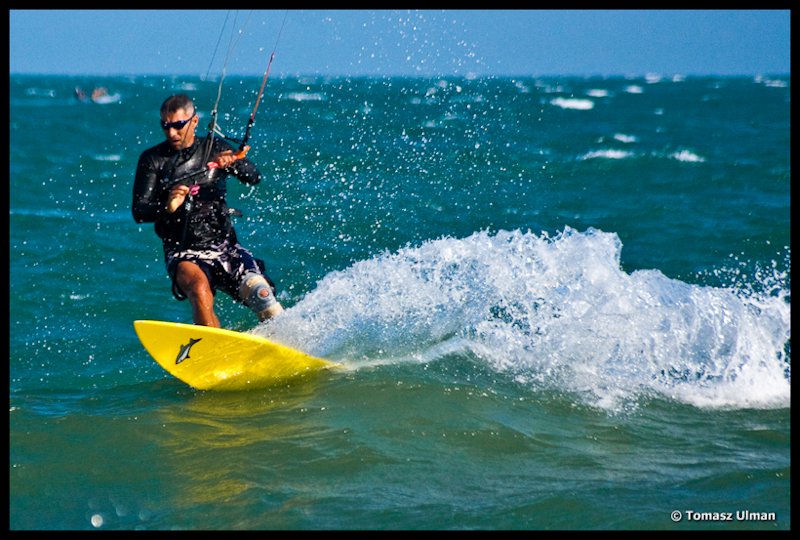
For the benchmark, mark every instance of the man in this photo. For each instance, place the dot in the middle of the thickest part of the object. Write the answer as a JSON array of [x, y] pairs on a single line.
[[180, 186]]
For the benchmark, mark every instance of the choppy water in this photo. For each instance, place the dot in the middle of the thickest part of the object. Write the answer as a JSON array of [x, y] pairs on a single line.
[[562, 303]]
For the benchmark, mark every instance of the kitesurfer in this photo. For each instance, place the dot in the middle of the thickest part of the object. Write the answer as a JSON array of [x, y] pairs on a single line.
[[180, 185]]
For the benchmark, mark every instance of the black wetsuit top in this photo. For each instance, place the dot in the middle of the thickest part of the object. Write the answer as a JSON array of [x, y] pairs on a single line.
[[209, 222]]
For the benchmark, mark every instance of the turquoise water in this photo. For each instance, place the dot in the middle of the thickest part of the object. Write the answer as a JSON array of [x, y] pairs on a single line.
[[562, 303]]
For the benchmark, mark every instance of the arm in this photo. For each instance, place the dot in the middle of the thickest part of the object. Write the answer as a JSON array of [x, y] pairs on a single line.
[[148, 203], [238, 165], [246, 171]]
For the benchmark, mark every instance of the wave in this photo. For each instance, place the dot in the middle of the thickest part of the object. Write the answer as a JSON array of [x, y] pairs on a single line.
[[107, 98], [573, 103], [305, 96], [686, 155], [607, 154], [553, 312], [621, 137]]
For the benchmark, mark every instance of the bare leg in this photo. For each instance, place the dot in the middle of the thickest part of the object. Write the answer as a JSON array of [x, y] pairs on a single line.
[[194, 284]]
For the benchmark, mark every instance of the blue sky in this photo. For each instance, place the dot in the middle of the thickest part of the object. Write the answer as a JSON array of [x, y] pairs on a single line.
[[401, 42]]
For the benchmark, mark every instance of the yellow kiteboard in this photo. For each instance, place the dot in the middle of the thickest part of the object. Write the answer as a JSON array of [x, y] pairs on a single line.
[[213, 358]]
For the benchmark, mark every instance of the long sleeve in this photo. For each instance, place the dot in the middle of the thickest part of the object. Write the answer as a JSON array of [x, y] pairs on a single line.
[[148, 204], [246, 171]]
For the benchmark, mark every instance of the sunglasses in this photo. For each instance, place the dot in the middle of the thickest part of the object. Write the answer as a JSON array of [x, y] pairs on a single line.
[[176, 125]]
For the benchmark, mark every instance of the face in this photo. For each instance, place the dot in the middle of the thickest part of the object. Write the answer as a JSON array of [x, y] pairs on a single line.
[[179, 128]]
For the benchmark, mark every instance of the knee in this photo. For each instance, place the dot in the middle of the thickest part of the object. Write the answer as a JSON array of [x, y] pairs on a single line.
[[256, 293]]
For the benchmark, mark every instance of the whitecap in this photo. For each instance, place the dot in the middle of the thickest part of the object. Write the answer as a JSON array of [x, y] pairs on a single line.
[[774, 83], [305, 96], [106, 99], [621, 137], [573, 103], [522, 87], [555, 312], [607, 154], [686, 155]]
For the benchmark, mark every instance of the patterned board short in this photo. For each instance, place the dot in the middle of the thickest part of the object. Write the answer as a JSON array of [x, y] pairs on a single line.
[[225, 266]]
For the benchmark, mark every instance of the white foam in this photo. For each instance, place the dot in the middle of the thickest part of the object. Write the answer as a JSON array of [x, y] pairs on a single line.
[[607, 154], [553, 312], [106, 99], [573, 103], [522, 87], [686, 155], [774, 83], [621, 137], [305, 96]]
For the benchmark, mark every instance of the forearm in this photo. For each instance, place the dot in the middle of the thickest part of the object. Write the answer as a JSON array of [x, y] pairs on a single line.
[[245, 171], [147, 211], [148, 204]]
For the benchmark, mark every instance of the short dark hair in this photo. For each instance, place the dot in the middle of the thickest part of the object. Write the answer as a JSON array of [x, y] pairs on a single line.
[[177, 102]]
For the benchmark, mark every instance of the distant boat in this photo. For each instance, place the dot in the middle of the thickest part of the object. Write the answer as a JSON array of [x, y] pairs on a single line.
[[101, 95]]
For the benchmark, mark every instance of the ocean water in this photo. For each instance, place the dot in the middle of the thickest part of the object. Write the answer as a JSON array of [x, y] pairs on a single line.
[[562, 303]]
